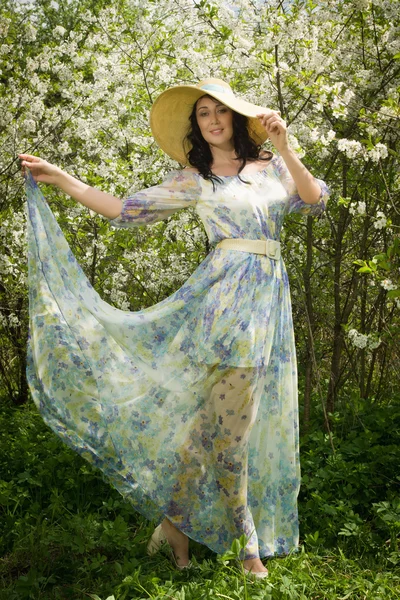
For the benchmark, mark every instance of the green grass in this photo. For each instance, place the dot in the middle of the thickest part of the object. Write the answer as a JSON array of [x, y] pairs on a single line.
[[65, 534], [59, 573]]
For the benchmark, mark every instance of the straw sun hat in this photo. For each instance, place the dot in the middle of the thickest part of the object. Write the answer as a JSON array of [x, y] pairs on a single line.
[[169, 116]]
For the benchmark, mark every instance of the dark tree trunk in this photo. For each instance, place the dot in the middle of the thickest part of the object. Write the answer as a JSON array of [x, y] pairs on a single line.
[[337, 330], [310, 325]]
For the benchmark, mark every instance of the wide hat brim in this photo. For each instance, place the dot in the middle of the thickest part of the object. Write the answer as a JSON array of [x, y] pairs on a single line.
[[169, 118]]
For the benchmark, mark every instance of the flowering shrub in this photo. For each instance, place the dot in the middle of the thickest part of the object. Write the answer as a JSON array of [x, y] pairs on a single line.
[[76, 87]]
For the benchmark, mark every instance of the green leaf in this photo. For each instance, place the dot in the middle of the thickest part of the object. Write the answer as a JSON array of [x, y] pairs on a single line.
[[387, 266], [236, 547], [379, 257], [344, 201]]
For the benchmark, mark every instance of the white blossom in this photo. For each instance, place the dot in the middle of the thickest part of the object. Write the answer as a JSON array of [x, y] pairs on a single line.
[[381, 220], [378, 152], [362, 340], [348, 95], [362, 4], [5, 49], [388, 285], [352, 148], [374, 343], [59, 31], [371, 129], [29, 126], [64, 148], [358, 339], [4, 26], [10, 320], [326, 140], [30, 32], [358, 207], [361, 208], [294, 143], [331, 135]]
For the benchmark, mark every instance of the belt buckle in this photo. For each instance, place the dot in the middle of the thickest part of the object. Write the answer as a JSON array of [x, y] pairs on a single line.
[[272, 249]]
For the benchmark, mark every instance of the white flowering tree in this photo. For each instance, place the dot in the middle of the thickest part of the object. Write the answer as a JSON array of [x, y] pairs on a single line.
[[77, 84]]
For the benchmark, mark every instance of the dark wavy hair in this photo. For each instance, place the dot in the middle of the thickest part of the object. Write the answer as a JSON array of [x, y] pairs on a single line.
[[200, 156]]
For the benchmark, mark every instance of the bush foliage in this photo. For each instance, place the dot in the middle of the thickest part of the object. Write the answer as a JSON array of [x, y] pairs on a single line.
[[66, 534]]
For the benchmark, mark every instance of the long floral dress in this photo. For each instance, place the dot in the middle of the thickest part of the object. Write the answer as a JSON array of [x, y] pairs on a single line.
[[189, 407]]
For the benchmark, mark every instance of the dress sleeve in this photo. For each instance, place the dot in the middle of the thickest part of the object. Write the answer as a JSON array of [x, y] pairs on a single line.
[[179, 190], [294, 204]]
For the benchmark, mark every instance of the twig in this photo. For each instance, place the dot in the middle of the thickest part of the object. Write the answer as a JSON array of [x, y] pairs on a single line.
[[315, 366]]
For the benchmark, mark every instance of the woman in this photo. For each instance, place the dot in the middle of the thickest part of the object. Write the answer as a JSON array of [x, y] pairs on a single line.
[[189, 406]]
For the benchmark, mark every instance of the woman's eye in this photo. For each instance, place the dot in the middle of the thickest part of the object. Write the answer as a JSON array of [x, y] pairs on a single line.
[[203, 114]]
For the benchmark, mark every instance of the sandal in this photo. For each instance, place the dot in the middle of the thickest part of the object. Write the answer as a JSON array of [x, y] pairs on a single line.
[[261, 575], [158, 541], [249, 572]]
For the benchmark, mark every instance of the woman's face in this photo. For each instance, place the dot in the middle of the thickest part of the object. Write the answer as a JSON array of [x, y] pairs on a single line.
[[215, 122]]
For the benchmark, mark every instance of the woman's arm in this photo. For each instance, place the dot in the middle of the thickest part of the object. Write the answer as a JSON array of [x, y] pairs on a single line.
[[178, 190], [43, 171], [102, 203], [307, 188]]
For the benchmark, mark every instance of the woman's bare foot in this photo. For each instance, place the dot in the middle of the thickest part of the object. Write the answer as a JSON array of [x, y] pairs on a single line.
[[178, 541], [254, 565]]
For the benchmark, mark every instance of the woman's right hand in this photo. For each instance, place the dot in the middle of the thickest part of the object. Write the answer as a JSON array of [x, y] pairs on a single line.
[[41, 170]]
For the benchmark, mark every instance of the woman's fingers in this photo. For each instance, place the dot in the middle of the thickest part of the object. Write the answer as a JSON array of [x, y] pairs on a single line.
[[272, 121], [34, 162], [29, 157], [36, 165], [40, 169], [275, 127], [269, 114]]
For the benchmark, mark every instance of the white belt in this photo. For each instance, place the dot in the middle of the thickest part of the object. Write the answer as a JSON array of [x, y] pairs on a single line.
[[270, 248]]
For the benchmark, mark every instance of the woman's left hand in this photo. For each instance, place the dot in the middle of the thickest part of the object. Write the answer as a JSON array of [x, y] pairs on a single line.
[[275, 126]]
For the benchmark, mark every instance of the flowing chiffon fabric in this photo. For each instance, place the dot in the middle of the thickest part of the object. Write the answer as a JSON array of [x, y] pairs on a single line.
[[189, 407]]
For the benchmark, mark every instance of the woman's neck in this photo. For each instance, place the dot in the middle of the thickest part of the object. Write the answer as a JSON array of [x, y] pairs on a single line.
[[224, 161]]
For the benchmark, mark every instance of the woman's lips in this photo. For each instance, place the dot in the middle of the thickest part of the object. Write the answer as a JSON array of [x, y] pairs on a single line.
[[217, 131]]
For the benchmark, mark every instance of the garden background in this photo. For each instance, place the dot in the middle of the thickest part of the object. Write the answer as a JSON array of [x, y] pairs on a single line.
[[77, 80]]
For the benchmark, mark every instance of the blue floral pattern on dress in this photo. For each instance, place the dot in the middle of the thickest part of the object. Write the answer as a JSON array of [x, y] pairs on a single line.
[[189, 407]]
